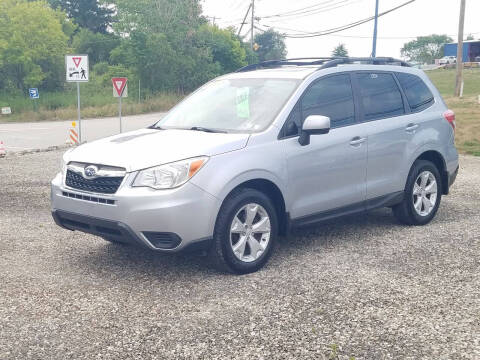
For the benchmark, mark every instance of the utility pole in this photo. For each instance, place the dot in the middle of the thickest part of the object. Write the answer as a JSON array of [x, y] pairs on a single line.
[[251, 30], [374, 48], [245, 18], [459, 80]]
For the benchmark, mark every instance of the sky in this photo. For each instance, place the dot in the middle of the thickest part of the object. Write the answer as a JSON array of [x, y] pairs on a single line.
[[422, 17]]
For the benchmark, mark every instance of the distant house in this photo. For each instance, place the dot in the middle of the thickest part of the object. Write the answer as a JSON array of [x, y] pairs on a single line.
[[471, 49]]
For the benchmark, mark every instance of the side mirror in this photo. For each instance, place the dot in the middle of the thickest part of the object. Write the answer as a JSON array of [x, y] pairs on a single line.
[[313, 125]]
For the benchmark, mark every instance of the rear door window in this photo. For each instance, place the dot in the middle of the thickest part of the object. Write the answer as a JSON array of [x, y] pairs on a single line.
[[380, 96], [418, 94]]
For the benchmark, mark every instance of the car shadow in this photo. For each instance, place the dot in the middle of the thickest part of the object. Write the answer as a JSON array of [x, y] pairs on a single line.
[[126, 261]]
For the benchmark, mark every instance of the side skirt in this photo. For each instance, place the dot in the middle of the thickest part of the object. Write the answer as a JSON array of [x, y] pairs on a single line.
[[370, 204]]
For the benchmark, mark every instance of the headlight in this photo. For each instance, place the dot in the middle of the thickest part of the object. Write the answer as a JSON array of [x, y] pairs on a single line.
[[171, 175]]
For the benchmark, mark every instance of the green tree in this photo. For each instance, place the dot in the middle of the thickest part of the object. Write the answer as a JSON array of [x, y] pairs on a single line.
[[97, 45], [224, 46], [271, 45], [425, 49], [178, 19], [470, 37], [340, 50], [168, 45], [32, 45], [94, 15]]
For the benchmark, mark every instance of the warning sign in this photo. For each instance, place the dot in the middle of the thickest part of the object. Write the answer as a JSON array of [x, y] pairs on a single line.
[[120, 88], [76, 68]]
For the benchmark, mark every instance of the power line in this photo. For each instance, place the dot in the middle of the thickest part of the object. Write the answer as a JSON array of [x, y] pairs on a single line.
[[352, 36], [339, 5], [347, 26], [343, 36], [320, 8], [305, 9], [237, 7]]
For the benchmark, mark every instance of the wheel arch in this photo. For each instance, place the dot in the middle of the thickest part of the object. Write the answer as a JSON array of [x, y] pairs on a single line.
[[273, 191], [439, 161]]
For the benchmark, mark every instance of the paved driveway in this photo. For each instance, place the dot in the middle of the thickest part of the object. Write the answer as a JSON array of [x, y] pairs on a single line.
[[41, 135]]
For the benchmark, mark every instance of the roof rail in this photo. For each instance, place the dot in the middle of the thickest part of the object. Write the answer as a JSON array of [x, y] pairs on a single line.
[[364, 60], [274, 63], [324, 62]]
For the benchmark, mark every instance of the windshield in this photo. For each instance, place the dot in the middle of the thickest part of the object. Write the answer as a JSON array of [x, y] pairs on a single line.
[[231, 105]]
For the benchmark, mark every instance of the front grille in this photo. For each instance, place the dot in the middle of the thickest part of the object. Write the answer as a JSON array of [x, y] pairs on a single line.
[[88, 198], [103, 185]]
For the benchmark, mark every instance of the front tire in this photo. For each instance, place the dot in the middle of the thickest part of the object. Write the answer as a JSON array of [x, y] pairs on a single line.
[[423, 193], [245, 232]]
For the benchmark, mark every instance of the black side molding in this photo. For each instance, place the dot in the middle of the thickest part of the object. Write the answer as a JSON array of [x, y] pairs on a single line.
[[363, 206], [385, 201]]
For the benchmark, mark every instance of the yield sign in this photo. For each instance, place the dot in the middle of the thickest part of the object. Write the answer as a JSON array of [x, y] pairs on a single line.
[[119, 85], [77, 61]]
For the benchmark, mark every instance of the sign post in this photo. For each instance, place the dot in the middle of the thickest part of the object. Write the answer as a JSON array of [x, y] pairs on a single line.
[[77, 71], [34, 94], [120, 90]]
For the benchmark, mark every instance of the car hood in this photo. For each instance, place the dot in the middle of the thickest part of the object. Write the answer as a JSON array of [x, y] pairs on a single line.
[[145, 148]]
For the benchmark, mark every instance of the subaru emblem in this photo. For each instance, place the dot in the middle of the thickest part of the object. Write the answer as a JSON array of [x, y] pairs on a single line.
[[91, 171]]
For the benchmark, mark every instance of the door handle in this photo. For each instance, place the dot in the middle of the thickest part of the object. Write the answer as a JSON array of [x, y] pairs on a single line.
[[411, 127], [357, 140]]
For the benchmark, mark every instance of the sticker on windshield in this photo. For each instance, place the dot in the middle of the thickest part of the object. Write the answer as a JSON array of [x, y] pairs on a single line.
[[243, 105]]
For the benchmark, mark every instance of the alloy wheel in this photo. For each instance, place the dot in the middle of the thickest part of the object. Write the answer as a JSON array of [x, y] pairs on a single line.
[[424, 194], [250, 232]]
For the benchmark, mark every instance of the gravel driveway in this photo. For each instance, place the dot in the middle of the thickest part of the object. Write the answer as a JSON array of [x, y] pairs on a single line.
[[361, 287]]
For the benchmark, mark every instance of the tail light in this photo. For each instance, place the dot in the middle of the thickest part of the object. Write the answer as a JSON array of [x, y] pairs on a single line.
[[449, 115]]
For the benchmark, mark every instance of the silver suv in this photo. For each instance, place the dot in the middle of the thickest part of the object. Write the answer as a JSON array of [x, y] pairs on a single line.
[[253, 154]]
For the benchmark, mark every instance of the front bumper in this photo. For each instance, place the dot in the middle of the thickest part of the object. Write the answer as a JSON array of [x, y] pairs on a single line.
[[162, 220]]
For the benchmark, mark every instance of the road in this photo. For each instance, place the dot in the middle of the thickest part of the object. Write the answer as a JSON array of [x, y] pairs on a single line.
[[362, 286], [41, 135]]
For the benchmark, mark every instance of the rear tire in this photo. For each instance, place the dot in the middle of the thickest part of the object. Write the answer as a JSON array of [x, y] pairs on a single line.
[[245, 232], [423, 193]]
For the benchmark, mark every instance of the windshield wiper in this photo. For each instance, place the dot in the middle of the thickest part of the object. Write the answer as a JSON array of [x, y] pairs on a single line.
[[155, 127], [200, 128]]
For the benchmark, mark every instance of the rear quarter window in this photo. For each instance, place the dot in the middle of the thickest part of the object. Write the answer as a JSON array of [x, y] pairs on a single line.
[[380, 96], [418, 95]]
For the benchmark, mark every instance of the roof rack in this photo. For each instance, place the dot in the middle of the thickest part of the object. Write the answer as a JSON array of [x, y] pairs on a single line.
[[324, 62]]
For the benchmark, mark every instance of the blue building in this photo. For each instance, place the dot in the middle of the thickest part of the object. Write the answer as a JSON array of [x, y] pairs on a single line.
[[471, 49]]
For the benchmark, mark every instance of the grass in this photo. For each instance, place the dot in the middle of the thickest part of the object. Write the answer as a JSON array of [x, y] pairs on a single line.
[[159, 102], [95, 102], [467, 108]]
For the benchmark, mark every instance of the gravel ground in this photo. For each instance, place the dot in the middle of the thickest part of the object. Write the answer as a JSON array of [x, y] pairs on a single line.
[[362, 287]]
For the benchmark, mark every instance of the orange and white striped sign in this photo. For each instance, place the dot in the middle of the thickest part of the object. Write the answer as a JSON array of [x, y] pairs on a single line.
[[72, 136]]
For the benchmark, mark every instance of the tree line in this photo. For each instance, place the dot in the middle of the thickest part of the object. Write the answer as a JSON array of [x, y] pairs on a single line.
[[166, 44]]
